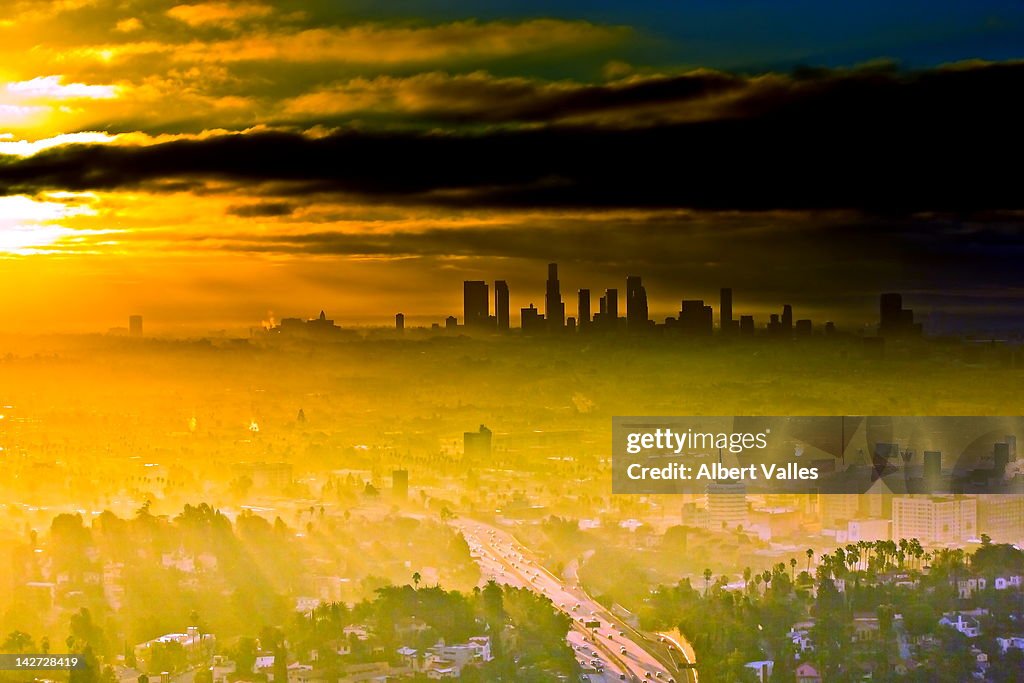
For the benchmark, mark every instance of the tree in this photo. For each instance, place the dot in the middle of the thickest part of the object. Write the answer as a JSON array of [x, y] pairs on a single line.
[[17, 642], [707, 580], [416, 578]]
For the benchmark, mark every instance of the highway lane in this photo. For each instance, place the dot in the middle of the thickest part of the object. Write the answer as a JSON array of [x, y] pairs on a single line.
[[623, 654]]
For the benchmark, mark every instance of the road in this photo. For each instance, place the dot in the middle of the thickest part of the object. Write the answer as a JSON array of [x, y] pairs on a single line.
[[610, 652]]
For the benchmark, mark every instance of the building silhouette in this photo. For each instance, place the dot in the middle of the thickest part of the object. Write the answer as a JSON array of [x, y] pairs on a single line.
[[583, 309], [475, 304], [451, 323], [530, 320], [725, 321], [399, 321], [747, 325], [135, 325], [787, 320], [477, 445], [894, 320], [695, 318], [501, 305], [554, 309], [636, 304], [400, 484]]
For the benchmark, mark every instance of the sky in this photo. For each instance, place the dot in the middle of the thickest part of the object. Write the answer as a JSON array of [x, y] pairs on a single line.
[[220, 165]]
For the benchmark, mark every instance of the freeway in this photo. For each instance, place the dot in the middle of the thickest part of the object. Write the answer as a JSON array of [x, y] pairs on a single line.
[[607, 650]]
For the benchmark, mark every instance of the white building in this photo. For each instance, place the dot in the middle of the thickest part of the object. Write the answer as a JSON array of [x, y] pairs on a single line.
[[935, 520]]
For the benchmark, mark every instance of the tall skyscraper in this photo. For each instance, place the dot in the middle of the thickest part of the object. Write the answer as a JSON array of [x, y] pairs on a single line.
[[583, 309], [475, 304], [695, 317], [400, 484], [893, 319], [501, 306], [636, 304], [135, 325], [787, 320], [399, 321], [725, 321], [611, 305], [554, 309]]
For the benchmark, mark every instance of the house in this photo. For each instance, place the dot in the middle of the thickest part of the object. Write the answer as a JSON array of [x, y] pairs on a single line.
[[806, 673], [1011, 642], [1002, 583], [762, 669], [192, 645], [963, 622], [968, 587], [801, 638]]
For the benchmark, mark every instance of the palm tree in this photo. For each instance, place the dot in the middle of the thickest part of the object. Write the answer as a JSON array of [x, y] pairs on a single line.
[[707, 581], [810, 556], [792, 569], [416, 578]]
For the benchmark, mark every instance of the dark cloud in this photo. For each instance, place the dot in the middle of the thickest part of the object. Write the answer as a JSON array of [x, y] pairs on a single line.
[[263, 210], [875, 141]]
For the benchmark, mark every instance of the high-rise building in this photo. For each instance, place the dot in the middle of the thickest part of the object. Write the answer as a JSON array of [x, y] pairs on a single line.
[[935, 520], [636, 304], [611, 310], [135, 325], [451, 323], [932, 470], [530, 320], [725, 321], [787, 320], [477, 445], [804, 328], [583, 309], [747, 325], [696, 318], [554, 309], [475, 304], [1001, 517], [400, 484], [501, 304], [399, 321], [726, 506], [893, 319]]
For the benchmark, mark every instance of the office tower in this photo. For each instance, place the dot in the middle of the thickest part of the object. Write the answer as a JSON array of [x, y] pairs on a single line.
[[725, 321], [477, 445], [583, 308], [726, 505], [1000, 459], [935, 520], [570, 324], [554, 309], [475, 304], [530, 320], [893, 319], [399, 321], [803, 328], [611, 310], [400, 484], [787, 320], [1001, 517], [636, 304], [696, 318], [451, 322], [501, 306], [747, 325], [837, 509], [135, 325], [932, 470], [774, 326]]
